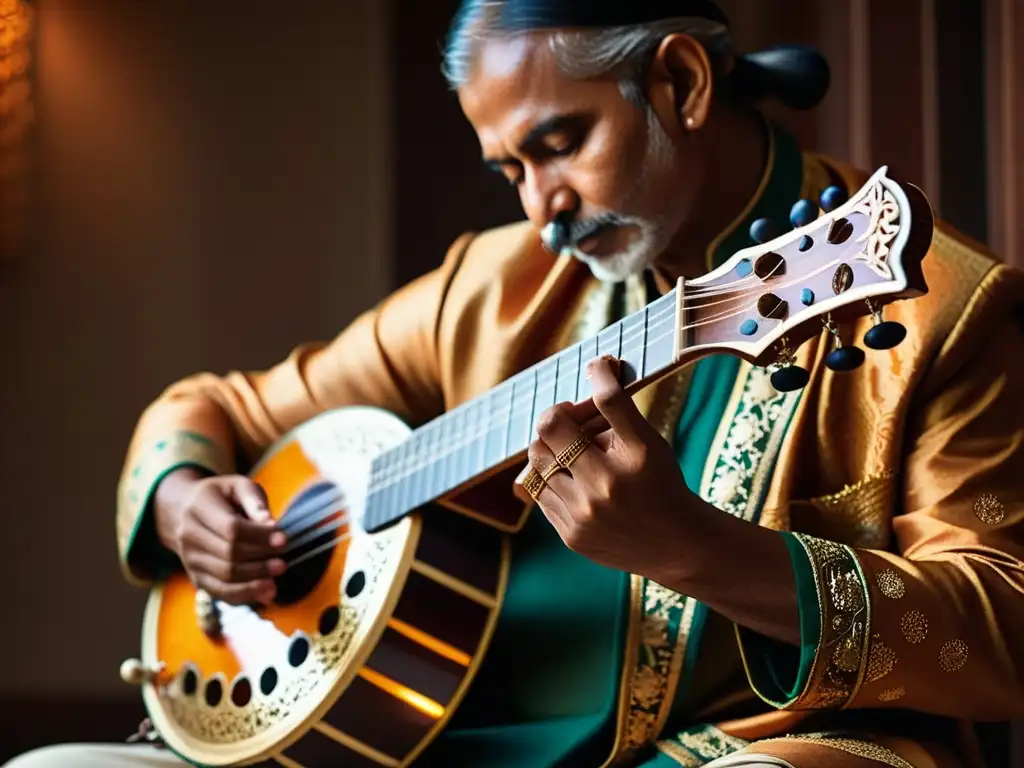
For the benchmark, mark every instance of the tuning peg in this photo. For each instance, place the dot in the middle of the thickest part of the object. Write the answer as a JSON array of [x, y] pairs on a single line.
[[763, 230], [802, 213], [788, 377], [842, 359], [134, 672], [831, 198], [885, 334]]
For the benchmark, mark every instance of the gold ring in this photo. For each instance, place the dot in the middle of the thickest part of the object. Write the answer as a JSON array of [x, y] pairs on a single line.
[[533, 483], [552, 468], [573, 451]]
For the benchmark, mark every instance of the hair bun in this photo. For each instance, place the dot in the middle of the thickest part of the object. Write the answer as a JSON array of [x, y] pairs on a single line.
[[796, 75]]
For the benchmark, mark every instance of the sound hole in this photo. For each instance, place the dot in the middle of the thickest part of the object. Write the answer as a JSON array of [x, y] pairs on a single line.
[[770, 265], [840, 231], [214, 691], [268, 681], [190, 682], [241, 692], [313, 522], [355, 584], [329, 620], [298, 651]]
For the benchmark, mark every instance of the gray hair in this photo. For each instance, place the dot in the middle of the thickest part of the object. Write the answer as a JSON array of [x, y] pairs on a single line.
[[622, 52]]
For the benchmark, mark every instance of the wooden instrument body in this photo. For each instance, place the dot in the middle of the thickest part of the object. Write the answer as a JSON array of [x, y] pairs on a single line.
[[366, 668], [369, 662]]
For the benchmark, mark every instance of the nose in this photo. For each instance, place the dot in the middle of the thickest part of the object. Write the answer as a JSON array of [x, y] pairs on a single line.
[[551, 207]]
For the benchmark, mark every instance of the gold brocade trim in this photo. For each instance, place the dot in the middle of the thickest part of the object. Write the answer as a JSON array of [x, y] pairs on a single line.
[[665, 622], [651, 660], [662, 617], [841, 659], [755, 421], [741, 464], [855, 747], [659, 619], [746, 444], [177, 450], [700, 745]]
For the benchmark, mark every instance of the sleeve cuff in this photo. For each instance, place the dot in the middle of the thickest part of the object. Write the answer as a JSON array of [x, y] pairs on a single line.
[[143, 557], [826, 670]]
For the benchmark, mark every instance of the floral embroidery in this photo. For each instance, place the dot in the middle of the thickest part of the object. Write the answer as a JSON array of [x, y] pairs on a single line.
[[890, 584], [953, 655], [756, 423], [664, 630], [914, 626], [842, 656], [989, 509], [698, 745], [892, 694], [881, 660], [754, 435]]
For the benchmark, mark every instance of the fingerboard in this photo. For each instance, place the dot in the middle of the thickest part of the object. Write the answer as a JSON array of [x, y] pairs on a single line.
[[484, 433]]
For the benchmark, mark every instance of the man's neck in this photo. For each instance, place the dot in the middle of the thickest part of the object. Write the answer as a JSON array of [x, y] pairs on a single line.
[[736, 159]]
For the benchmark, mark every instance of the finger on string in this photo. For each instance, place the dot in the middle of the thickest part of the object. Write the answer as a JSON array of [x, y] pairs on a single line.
[[235, 572], [201, 539], [251, 499], [614, 403], [218, 515]]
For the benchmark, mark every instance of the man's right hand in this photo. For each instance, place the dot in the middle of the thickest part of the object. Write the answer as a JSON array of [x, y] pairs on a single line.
[[223, 533]]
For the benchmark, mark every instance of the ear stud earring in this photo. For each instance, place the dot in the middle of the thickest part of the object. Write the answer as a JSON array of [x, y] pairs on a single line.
[[689, 122]]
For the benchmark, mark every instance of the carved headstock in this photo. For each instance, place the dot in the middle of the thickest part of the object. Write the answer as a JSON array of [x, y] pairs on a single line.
[[852, 260]]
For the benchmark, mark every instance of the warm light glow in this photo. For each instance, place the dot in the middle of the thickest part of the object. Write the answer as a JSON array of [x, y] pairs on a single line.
[[428, 707], [439, 647], [16, 117]]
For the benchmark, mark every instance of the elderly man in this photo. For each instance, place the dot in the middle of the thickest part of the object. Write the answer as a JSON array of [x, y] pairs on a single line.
[[730, 575]]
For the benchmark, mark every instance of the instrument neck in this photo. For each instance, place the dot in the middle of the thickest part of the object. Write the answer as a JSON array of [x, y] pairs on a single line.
[[496, 428]]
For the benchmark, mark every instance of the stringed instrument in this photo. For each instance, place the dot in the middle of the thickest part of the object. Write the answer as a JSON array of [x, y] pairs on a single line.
[[390, 599]]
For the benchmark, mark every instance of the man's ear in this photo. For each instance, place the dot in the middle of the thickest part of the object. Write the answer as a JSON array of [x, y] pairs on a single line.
[[681, 82]]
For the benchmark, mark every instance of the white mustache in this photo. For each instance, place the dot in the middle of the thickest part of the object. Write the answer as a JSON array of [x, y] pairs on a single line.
[[559, 234]]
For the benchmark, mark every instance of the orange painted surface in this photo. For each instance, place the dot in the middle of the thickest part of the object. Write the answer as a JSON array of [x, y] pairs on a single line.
[[284, 476], [181, 640]]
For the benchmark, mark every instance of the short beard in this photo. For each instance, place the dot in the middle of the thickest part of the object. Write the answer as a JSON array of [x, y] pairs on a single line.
[[654, 234]]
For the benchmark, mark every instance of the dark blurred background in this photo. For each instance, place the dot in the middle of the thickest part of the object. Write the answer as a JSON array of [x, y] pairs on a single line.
[[214, 182]]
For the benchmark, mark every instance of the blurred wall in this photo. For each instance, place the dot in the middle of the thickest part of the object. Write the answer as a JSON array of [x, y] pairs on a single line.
[[215, 186], [222, 180]]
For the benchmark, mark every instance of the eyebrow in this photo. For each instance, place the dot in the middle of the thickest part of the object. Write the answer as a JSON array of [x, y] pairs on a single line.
[[534, 136]]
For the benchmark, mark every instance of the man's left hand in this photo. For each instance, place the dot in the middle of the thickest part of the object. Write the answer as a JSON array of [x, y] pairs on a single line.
[[622, 500]]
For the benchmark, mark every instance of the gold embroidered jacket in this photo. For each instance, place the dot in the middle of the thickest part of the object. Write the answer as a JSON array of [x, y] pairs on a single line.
[[903, 480]]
